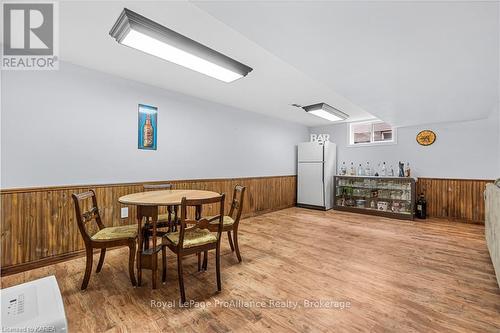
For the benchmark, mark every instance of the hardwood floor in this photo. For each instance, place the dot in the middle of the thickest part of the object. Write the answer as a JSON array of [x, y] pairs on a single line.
[[398, 276]]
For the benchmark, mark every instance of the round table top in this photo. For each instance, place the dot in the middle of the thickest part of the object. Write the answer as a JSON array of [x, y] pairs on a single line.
[[165, 197]]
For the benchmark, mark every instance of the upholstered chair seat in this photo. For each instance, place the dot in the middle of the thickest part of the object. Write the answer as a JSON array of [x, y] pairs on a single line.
[[163, 217], [111, 233], [228, 221], [192, 238]]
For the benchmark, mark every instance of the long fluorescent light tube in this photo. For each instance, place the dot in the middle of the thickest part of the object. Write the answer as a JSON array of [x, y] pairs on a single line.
[[141, 33], [325, 111]]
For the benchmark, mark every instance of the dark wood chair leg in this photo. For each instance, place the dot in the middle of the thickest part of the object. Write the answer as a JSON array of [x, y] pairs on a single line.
[[154, 269], [181, 279], [139, 270], [101, 260], [205, 260], [164, 264], [88, 268], [131, 257], [236, 246], [230, 241], [217, 267]]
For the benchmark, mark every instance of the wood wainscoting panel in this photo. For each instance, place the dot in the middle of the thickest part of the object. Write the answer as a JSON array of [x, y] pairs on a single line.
[[38, 225], [454, 199]]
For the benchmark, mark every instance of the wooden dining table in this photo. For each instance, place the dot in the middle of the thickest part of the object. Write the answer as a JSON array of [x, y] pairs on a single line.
[[148, 204]]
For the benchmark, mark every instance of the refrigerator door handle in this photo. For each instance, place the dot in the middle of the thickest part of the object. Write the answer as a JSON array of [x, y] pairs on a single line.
[[324, 164]]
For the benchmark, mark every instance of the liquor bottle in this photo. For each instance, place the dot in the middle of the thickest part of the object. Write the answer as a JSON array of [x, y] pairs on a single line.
[[391, 172], [407, 170], [376, 174], [343, 169], [383, 172], [147, 132], [368, 170], [352, 171], [360, 170], [421, 210], [401, 169]]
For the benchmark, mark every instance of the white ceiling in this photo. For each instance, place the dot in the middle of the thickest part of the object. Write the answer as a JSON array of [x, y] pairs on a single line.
[[269, 89], [407, 63]]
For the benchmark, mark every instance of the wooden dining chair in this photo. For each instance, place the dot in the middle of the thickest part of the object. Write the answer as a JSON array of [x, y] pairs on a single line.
[[104, 238], [196, 235], [232, 221], [166, 220]]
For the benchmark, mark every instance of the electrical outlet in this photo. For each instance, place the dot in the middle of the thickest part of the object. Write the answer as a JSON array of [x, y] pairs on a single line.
[[124, 212]]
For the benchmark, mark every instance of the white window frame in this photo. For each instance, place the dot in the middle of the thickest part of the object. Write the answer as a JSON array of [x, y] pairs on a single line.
[[350, 138]]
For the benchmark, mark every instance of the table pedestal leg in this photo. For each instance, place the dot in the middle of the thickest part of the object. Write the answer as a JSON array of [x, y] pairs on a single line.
[[197, 214], [139, 246], [147, 257]]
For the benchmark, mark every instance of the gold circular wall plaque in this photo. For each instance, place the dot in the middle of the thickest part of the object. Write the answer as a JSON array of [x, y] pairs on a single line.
[[426, 137]]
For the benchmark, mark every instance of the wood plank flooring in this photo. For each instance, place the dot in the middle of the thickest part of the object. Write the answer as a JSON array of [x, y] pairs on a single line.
[[397, 276]]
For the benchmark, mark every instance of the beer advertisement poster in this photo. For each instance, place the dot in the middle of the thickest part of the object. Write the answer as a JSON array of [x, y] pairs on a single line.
[[147, 127]]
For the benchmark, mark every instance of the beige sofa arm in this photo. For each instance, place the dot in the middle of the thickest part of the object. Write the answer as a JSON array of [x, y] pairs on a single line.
[[492, 224]]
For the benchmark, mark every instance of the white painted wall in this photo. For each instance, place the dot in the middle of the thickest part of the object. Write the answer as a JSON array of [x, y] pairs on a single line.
[[79, 126], [497, 173], [467, 150], [498, 148]]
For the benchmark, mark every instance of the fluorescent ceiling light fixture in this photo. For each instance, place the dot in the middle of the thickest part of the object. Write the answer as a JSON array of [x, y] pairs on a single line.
[[325, 111], [141, 33]]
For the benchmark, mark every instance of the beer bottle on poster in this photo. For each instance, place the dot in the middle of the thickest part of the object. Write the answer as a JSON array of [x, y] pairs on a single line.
[[147, 132]]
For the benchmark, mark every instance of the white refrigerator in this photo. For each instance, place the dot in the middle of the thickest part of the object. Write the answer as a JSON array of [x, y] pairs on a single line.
[[317, 164]]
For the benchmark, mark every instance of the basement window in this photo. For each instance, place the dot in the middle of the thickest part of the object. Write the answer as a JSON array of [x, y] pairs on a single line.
[[373, 132]]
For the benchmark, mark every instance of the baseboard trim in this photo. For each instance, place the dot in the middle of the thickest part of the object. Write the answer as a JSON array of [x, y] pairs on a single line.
[[311, 207], [27, 266]]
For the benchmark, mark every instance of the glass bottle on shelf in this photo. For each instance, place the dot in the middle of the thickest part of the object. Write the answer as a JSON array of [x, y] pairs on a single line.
[[352, 172], [383, 171], [391, 171], [407, 169], [406, 195], [343, 169], [401, 169], [361, 172], [368, 170], [373, 203]]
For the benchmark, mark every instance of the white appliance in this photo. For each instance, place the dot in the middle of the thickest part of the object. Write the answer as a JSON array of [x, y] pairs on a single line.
[[317, 164], [33, 306]]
